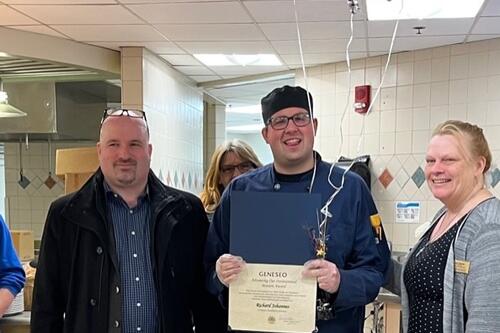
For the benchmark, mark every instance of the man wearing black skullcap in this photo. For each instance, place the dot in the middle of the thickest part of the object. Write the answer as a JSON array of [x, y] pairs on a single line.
[[357, 255]]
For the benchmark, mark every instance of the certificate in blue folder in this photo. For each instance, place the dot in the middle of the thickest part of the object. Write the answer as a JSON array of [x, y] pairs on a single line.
[[273, 228]]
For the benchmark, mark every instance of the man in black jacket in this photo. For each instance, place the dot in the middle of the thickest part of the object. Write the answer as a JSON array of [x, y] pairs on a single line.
[[124, 253]]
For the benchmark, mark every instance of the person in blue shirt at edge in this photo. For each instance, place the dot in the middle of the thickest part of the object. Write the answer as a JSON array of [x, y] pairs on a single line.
[[125, 252], [12, 275], [357, 255]]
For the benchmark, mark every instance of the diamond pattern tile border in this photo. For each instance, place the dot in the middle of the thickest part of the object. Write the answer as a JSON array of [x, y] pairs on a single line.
[[495, 177], [385, 178], [418, 177], [50, 182]]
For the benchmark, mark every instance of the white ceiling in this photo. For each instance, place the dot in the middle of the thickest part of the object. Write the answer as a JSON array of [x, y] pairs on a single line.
[[175, 29]]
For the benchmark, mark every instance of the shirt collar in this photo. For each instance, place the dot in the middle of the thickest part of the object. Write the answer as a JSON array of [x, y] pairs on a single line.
[[109, 191]]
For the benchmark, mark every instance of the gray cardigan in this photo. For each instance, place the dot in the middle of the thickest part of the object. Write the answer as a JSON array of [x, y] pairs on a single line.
[[471, 301]]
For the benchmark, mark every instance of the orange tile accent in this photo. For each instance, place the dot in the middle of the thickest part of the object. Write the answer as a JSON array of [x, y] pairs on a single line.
[[385, 178]]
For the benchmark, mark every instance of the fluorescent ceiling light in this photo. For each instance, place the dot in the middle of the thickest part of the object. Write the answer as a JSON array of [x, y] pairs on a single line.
[[238, 59], [421, 9], [251, 109]]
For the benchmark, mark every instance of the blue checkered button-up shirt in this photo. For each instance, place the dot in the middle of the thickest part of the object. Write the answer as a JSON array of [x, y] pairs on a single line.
[[132, 233]]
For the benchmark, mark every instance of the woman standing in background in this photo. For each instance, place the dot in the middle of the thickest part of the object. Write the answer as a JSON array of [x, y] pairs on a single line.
[[229, 160], [451, 279]]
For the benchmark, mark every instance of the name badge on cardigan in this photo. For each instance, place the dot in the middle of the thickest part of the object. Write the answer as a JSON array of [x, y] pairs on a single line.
[[462, 266]]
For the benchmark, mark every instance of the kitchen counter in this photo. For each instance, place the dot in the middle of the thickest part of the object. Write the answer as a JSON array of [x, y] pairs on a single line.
[[19, 323], [385, 296], [391, 303]]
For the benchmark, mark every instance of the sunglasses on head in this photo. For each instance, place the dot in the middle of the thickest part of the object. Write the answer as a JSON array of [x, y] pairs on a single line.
[[123, 113]]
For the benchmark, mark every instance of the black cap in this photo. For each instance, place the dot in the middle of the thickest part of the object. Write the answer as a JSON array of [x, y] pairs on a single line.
[[282, 98]]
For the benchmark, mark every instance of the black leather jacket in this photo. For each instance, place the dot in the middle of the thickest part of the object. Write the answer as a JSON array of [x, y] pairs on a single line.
[[77, 285]]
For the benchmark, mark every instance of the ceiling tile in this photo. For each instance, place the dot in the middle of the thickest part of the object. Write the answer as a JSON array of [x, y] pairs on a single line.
[[487, 25], [39, 29], [208, 12], [319, 58], [204, 78], [9, 16], [248, 94], [110, 33], [55, 2], [180, 59], [412, 43], [492, 8], [432, 27], [155, 47], [79, 14], [473, 38], [194, 70], [246, 70], [251, 89], [211, 32], [227, 47], [311, 30], [319, 46], [164, 1], [313, 11]]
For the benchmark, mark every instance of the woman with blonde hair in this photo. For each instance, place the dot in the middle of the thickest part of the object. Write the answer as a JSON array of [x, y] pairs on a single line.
[[229, 160], [450, 281]]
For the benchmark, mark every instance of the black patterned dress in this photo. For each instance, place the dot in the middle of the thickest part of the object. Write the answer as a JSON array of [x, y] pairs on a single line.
[[424, 278]]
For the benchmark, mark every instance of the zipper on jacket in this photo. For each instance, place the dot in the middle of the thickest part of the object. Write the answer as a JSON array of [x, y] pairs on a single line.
[[100, 284], [156, 270]]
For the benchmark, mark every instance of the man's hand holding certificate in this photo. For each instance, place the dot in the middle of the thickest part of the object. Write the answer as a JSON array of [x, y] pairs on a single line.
[[325, 272]]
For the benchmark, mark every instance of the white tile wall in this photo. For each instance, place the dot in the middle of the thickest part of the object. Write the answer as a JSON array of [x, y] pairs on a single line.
[[421, 89], [26, 208], [175, 112]]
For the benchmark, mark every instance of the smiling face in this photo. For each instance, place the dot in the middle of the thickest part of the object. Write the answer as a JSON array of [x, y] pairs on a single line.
[[124, 153], [292, 146], [451, 173]]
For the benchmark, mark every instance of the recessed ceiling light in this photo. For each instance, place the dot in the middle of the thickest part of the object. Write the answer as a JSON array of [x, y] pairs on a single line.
[[238, 59], [421, 9]]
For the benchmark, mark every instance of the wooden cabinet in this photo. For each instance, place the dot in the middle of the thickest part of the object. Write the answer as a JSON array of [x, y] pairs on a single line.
[[392, 317], [76, 165]]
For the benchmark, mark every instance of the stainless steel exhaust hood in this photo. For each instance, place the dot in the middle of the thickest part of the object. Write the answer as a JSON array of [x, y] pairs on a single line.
[[58, 110]]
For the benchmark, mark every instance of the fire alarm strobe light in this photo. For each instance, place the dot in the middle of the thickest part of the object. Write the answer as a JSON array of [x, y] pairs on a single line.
[[362, 98]]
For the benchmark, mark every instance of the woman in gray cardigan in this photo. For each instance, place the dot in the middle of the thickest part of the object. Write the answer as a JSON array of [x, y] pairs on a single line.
[[450, 282]]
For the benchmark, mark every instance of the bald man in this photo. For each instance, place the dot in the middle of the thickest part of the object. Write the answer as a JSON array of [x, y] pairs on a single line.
[[124, 253]]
